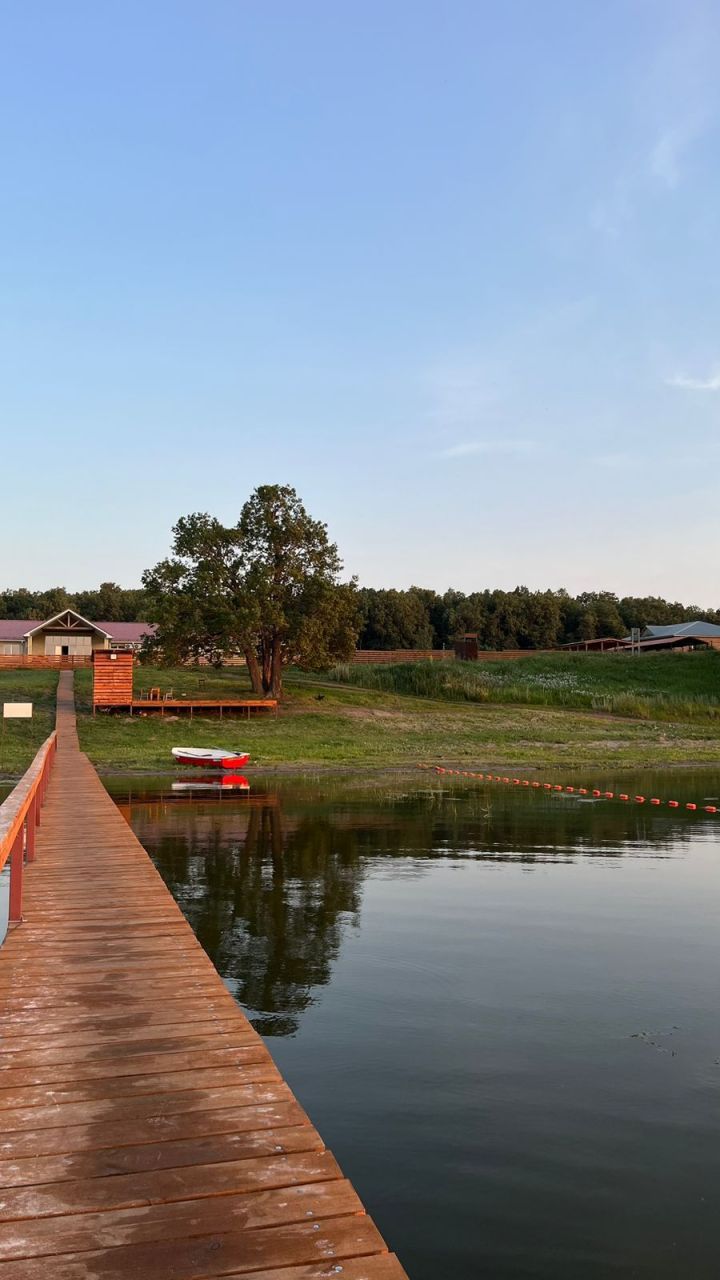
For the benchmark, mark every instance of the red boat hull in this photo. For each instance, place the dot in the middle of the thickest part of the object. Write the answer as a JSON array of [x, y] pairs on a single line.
[[227, 762]]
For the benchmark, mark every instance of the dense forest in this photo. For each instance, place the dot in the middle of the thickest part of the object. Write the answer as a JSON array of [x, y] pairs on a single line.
[[108, 603], [418, 618]]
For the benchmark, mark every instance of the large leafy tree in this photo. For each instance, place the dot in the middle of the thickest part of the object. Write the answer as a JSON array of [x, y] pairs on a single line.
[[268, 587]]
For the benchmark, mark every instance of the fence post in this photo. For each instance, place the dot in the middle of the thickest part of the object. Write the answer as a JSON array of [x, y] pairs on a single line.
[[30, 825], [16, 879]]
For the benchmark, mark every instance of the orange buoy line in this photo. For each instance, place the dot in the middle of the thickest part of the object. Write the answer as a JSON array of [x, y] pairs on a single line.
[[579, 791]]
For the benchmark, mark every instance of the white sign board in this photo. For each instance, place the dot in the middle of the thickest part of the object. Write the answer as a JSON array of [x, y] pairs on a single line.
[[17, 710]]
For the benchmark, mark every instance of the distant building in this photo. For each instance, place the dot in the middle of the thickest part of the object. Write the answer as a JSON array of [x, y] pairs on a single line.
[[677, 635], [600, 644], [68, 635]]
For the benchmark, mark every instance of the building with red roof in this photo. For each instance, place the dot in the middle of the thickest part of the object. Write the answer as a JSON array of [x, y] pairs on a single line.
[[68, 635]]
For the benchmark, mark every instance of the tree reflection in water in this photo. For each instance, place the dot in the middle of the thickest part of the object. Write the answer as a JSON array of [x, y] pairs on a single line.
[[271, 882], [268, 903]]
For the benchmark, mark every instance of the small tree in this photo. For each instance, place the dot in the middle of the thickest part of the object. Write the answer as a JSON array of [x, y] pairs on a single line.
[[267, 587]]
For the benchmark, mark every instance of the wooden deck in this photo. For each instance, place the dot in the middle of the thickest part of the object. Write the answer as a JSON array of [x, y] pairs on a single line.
[[145, 1131], [203, 705]]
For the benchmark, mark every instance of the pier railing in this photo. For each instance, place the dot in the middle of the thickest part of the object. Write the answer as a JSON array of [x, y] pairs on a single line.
[[19, 818]]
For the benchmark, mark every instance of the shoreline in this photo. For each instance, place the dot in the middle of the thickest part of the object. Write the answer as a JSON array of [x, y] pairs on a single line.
[[300, 769]]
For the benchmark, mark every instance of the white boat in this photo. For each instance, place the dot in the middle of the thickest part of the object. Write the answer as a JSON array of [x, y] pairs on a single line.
[[211, 757]]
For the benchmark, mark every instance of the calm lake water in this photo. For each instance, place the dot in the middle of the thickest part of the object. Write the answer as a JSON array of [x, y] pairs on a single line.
[[499, 1008]]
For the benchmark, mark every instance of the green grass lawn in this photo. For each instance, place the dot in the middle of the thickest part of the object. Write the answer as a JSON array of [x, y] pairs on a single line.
[[665, 686], [200, 682], [23, 737], [323, 724]]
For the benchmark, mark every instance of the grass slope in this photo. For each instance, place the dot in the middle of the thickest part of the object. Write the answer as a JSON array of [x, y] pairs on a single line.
[[666, 686], [321, 724], [23, 737]]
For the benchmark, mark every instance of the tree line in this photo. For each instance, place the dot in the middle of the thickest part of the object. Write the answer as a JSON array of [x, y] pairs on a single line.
[[107, 603], [519, 619], [417, 618]]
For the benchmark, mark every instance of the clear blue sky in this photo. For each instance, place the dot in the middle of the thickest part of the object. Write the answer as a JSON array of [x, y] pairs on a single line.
[[451, 269]]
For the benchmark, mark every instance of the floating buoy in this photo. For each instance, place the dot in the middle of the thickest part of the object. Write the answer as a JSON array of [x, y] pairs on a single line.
[[571, 790]]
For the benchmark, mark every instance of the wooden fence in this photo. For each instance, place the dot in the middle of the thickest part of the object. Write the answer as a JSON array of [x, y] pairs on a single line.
[[402, 655], [13, 661], [438, 655]]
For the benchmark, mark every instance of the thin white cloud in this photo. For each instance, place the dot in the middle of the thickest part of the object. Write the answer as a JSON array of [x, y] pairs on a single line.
[[610, 215], [682, 383], [664, 159], [669, 101], [666, 155], [496, 447]]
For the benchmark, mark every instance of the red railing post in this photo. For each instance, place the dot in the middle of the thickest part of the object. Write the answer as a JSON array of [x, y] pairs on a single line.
[[16, 880], [30, 825]]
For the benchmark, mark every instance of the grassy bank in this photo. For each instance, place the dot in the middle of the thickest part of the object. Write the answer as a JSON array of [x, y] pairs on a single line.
[[23, 737], [664, 686], [320, 724]]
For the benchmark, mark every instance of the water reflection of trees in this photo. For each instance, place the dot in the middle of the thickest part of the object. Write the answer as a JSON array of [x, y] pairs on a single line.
[[270, 884], [269, 908]]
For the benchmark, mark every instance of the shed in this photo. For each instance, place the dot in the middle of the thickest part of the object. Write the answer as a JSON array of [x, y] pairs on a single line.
[[112, 678], [466, 646]]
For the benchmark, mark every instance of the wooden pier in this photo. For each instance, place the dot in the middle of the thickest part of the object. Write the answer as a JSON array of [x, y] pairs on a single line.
[[145, 1131]]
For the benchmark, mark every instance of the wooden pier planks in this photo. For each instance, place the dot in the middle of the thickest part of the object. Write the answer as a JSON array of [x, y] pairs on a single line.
[[144, 1128]]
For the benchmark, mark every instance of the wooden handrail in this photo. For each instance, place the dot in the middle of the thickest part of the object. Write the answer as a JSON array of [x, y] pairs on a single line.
[[19, 817]]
